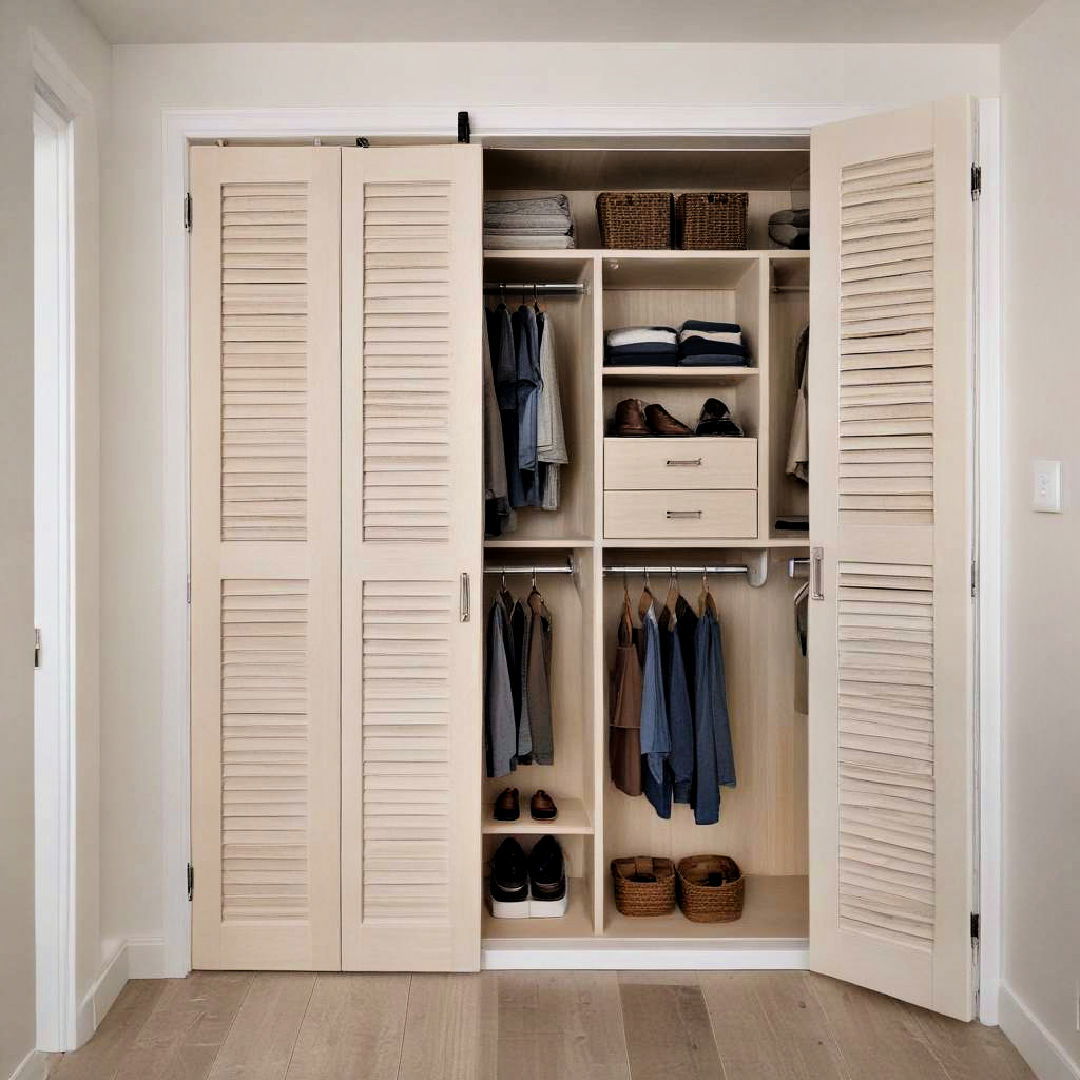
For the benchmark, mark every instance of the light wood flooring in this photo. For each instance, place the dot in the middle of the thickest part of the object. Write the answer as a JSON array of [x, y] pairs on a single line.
[[528, 1025]]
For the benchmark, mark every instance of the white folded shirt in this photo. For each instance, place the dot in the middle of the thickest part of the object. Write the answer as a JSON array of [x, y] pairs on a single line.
[[638, 335], [711, 335]]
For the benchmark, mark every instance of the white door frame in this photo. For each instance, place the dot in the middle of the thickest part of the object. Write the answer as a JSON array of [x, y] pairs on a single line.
[[180, 127], [54, 704]]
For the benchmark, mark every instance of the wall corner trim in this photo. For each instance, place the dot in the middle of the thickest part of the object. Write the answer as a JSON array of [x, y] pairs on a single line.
[[1047, 1057], [99, 999]]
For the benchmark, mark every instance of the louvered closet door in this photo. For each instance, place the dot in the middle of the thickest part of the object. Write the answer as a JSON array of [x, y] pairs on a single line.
[[412, 543], [265, 555], [891, 714]]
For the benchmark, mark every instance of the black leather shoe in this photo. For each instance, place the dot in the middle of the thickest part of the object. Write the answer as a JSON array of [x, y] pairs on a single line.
[[508, 805], [509, 884], [716, 419], [547, 871]]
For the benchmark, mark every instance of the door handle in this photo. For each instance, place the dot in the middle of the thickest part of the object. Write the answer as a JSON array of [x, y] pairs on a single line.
[[817, 573], [463, 602]]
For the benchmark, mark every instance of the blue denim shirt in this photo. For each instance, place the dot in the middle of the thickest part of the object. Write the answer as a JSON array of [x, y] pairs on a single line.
[[714, 761]]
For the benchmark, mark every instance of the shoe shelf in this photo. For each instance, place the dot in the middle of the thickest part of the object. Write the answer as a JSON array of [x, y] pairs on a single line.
[[573, 820], [777, 907], [575, 924], [725, 376]]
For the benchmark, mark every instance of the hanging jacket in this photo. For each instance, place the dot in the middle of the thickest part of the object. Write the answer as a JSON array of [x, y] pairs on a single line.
[[538, 681], [498, 517], [680, 714], [714, 763], [500, 722], [550, 432], [504, 363], [520, 628], [624, 737], [655, 730]]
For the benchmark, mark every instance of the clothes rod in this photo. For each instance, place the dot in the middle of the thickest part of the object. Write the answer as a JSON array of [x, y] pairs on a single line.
[[795, 565], [726, 568], [527, 289], [567, 568]]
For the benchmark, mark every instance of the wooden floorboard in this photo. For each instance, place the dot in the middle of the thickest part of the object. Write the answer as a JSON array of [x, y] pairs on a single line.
[[526, 1025]]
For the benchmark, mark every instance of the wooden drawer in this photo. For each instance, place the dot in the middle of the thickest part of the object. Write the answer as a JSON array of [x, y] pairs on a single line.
[[643, 464], [680, 515]]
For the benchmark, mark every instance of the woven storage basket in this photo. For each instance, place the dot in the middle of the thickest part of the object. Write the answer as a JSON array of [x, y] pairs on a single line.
[[636, 219], [644, 898], [712, 220], [710, 903]]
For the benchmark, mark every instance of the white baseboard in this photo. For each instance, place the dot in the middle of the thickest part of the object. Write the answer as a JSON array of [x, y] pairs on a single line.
[[100, 997], [146, 958], [607, 956], [1047, 1057], [32, 1067]]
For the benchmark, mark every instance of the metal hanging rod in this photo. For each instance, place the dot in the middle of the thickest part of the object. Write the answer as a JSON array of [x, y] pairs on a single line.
[[795, 565], [567, 567], [569, 288], [659, 570], [791, 288]]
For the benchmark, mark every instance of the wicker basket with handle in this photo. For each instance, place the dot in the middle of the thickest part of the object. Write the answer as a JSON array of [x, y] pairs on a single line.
[[636, 219], [644, 886], [712, 220], [711, 888]]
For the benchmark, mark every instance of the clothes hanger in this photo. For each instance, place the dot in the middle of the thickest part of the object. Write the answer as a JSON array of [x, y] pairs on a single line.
[[673, 591], [647, 600]]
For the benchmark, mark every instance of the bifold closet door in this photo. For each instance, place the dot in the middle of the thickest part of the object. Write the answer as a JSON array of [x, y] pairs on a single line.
[[412, 558], [891, 705], [265, 557]]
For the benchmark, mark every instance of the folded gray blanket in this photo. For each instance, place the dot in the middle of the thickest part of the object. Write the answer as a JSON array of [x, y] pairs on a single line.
[[527, 240], [542, 204]]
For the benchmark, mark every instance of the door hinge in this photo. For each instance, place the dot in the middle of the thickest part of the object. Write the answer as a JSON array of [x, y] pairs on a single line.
[[187, 211], [974, 578], [190, 882], [976, 180], [974, 926], [37, 647]]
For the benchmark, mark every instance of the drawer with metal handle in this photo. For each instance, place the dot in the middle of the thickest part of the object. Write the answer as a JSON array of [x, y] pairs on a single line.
[[674, 515], [642, 464]]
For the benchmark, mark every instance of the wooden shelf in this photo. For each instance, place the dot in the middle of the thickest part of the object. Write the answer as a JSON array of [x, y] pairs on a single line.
[[576, 923], [749, 544], [776, 907], [573, 820], [680, 374], [675, 254], [526, 543]]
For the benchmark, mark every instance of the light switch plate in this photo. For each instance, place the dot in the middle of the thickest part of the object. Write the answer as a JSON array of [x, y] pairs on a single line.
[[1047, 494]]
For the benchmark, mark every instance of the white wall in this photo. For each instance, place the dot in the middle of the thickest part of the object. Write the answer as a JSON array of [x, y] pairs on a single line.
[[1041, 93], [150, 78], [87, 56]]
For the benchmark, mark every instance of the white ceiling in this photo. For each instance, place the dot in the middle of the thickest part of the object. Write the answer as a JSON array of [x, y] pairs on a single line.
[[188, 21]]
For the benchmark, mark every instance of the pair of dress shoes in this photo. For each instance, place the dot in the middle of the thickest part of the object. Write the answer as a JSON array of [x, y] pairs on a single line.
[[633, 419], [508, 805], [532, 886]]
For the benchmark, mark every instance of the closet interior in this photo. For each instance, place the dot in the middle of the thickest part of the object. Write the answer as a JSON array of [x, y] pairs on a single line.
[[633, 509]]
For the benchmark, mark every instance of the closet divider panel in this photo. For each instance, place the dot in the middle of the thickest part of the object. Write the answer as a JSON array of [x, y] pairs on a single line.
[[265, 557], [412, 558], [891, 706]]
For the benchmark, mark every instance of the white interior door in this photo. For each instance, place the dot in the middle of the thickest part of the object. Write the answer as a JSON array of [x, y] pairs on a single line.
[[265, 557], [891, 706], [412, 554]]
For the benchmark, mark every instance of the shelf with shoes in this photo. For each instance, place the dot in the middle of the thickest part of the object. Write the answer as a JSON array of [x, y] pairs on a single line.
[[573, 819]]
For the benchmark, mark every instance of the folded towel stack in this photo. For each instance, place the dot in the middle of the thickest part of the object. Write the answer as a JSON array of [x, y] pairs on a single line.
[[541, 222], [790, 229], [642, 346], [712, 344]]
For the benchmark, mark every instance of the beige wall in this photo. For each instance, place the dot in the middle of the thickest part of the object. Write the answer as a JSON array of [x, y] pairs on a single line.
[[1041, 95], [149, 78], [88, 57]]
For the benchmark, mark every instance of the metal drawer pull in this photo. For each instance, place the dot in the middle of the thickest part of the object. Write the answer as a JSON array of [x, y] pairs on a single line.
[[684, 461], [684, 513]]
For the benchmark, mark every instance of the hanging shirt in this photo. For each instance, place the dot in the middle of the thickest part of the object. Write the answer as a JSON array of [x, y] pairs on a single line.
[[550, 432], [527, 353], [680, 714], [500, 722], [520, 628], [714, 763], [497, 513], [625, 734], [538, 680], [798, 456], [504, 364]]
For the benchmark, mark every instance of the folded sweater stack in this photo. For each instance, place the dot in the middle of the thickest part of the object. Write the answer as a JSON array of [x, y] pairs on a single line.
[[539, 222], [712, 344], [642, 346]]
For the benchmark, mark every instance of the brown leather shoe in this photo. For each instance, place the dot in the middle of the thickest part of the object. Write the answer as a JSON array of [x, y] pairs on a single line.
[[662, 423], [508, 805], [543, 807], [629, 420]]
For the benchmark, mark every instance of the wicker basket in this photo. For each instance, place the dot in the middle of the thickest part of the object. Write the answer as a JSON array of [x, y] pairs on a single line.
[[707, 903], [712, 220], [641, 899], [636, 219]]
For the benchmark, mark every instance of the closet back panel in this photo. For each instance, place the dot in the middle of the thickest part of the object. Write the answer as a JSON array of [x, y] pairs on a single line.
[[411, 558], [265, 552]]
